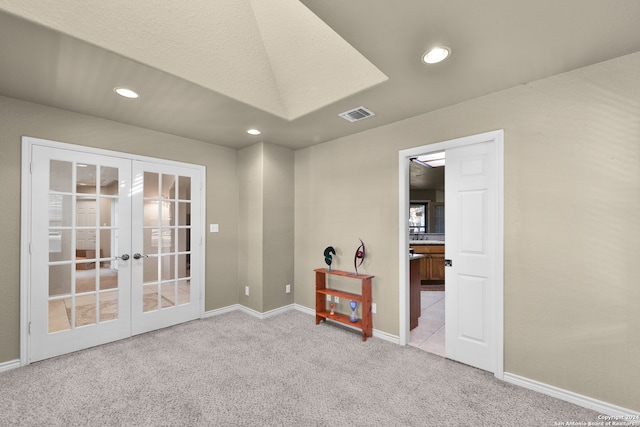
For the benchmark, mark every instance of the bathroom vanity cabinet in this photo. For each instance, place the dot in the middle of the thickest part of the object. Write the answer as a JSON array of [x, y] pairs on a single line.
[[432, 265]]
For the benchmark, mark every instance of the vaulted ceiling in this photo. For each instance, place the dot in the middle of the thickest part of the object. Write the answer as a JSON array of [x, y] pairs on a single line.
[[211, 69]]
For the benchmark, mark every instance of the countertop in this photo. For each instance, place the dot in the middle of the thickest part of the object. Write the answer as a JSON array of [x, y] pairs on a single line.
[[415, 256], [426, 242]]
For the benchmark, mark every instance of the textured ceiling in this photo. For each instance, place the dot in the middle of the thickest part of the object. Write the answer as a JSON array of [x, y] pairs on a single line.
[[274, 55], [210, 69], [422, 177]]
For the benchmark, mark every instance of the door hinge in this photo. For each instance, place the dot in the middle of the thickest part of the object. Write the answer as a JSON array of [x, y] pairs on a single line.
[[29, 328], [29, 248], [30, 167]]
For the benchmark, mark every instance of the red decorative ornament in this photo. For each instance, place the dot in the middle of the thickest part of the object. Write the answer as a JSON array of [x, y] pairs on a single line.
[[360, 253]]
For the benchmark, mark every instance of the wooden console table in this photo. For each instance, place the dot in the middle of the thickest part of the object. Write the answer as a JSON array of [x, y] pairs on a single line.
[[364, 298]]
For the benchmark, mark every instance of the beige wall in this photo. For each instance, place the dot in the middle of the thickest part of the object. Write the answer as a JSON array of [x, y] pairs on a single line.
[[278, 226], [19, 118], [572, 300], [250, 228], [572, 187], [265, 251]]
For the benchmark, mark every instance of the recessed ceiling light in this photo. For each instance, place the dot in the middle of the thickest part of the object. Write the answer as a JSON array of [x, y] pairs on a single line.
[[435, 55], [254, 132], [127, 93]]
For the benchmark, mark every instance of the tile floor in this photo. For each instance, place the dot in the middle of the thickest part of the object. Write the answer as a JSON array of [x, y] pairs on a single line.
[[429, 334], [59, 309]]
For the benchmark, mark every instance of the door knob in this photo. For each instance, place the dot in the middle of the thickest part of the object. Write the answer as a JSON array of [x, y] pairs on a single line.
[[448, 263], [123, 257], [138, 256]]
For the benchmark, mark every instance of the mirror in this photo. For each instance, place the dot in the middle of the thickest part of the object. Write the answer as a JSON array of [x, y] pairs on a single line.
[[426, 192]]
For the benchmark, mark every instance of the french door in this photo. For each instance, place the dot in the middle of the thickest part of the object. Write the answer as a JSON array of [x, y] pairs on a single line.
[[163, 288], [112, 250]]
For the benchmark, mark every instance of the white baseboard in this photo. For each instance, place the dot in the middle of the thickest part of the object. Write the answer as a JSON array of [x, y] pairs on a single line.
[[376, 333], [266, 314], [617, 413], [386, 336], [249, 311], [305, 310], [217, 311], [10, 364]]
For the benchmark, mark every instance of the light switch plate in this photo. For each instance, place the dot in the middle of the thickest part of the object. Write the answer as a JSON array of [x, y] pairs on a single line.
[[213, 228]]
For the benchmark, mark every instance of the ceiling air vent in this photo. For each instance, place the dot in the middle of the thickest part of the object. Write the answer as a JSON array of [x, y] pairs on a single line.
[[357, 114]]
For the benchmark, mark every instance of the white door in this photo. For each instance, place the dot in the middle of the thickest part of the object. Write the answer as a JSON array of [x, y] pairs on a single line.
[[115, 254], [165, 215], [77, 299], [471, 221], [86, 211]]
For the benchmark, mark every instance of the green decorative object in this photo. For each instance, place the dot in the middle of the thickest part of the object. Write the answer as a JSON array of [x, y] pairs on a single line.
[[327, 255]]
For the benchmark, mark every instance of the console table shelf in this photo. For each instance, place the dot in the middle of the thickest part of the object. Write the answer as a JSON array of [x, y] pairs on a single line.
[[364, 298]]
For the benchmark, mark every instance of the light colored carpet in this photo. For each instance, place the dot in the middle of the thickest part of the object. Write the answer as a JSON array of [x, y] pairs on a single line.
[[236, 370]]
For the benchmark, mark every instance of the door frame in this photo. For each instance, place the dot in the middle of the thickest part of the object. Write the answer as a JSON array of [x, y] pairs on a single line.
[[25, 225], [497, 137]]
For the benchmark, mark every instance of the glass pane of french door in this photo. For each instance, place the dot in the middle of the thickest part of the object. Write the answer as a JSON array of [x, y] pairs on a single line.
[[165, 216], [111, 248], [80, 290]]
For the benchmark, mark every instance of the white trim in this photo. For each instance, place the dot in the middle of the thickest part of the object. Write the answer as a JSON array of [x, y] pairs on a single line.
[[306, 310], [403, 245], [250, 311], [301, 308], [376, 333], [266, 314], [101, 151], [25, 258], [9, 365], [222, 310], [203, 245], [26, 212], [632, 417], [386, 336], [499, 273], [403, 233]]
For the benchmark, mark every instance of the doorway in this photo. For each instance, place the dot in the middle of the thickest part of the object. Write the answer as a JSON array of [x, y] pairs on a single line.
[[473, 246], [107, 246], [426, 240]]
